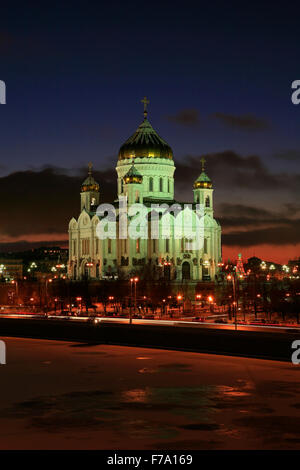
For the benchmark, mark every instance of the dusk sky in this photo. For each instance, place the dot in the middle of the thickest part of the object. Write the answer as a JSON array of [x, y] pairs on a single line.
[[218, 77]]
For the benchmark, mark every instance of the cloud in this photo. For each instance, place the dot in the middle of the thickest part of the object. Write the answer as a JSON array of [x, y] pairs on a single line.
[[290, 155], [238, 215], [44, 201], [247, 122], [185, 117], [37, 205], [229, 170], [25, 245], [246, 225], [281, 235]]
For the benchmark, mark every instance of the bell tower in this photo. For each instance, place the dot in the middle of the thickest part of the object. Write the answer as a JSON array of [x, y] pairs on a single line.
[[203, 191], [89, 192]]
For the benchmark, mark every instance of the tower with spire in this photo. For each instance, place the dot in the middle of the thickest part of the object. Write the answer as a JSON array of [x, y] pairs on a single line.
[[89, 192], [203, 190]]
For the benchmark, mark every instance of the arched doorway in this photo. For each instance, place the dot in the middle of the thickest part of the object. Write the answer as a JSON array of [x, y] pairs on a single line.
[[167, 272], [186, 270]]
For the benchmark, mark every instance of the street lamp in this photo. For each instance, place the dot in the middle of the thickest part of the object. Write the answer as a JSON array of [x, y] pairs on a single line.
[[198, 298], [179, 298], [17, 293], [210, 300], [47, 281], [79, 299], [231, 277], [132, 280], [135, 282], [111, 299]]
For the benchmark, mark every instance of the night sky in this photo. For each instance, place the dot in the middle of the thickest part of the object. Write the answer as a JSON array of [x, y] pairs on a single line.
[[218, 76]]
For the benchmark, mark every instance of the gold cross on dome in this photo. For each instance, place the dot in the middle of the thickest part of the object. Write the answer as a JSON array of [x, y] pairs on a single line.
[[145, 103], [203, 162], [90, 165]]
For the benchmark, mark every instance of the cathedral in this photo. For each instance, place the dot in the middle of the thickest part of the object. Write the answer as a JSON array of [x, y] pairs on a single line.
[[145, 177]]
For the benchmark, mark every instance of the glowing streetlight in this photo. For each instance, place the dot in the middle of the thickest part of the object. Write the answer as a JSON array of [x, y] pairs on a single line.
[[133, 280], [232, 278]]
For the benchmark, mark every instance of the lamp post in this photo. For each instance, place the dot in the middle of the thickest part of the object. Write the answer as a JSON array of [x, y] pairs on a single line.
[[211, 303], [135, 281], [79, 301], [231, 277], [179, 297], [163, 307], [197, 303], [17, 290], [132, 280], [47, 280]]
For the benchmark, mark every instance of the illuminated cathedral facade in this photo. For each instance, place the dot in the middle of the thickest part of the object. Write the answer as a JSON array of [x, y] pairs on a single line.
[[145, 175]]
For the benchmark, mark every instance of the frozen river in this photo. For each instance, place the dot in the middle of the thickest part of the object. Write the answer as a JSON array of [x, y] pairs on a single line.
[[59, 395]]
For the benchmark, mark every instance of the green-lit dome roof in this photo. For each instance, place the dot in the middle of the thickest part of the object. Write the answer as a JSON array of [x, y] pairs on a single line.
[[133, 176], [145, 142], [203, 181], [90, 184]]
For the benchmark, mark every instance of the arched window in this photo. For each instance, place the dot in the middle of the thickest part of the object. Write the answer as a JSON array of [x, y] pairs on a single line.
[[161, 184], [137, 246], [150, 184], [121, 185], [168, 185], [207, 201], [186, 270], [205, 245], [137, 196]]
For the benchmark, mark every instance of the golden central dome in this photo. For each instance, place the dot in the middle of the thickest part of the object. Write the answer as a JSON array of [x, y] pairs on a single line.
[[145, 143]]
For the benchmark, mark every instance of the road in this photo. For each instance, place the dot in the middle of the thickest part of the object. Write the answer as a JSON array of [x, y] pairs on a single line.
[[137, 321], [259, 342]]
